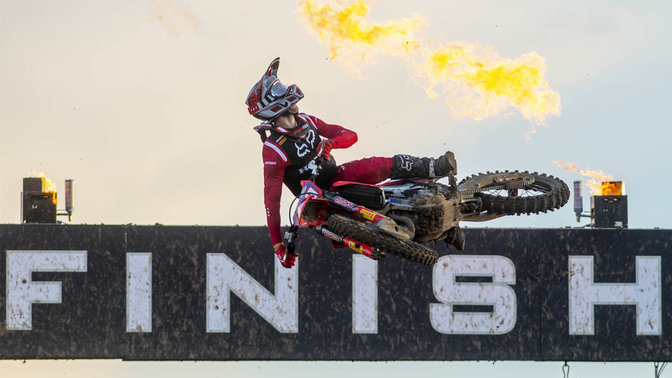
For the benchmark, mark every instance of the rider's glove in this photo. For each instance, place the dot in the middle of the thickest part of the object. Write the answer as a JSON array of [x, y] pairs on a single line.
[[286, 258], [325, 147]]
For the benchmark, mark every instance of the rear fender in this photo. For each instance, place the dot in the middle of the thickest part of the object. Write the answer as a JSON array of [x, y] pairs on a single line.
[[393, 182]]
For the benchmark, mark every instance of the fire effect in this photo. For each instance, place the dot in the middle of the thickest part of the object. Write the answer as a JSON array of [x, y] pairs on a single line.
[[48, 186], [600, 183], [613, 188], [476, 81], [354, 40]]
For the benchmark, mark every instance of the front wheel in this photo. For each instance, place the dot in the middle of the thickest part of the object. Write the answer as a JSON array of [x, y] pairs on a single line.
[[515, 193], [367, 233]]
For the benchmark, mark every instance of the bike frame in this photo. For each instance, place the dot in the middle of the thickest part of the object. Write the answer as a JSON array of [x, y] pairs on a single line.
[[313, 208]]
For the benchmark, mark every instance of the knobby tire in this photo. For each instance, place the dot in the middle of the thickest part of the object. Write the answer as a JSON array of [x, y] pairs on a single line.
[[367, 233], [553, 194]]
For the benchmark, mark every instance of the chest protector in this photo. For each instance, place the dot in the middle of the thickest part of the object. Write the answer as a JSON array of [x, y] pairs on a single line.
[[301, 147]]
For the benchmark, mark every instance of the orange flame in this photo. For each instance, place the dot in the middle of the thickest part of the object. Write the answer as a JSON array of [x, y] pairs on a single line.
[[353, 39], [612, 188], [48, 186], [599, 183], [476, 81]]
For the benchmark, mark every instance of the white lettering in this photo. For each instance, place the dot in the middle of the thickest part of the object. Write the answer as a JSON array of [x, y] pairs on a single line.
[[224, 276], [497, 294], [22, 292], [364, 295], [138, 292], [585, 294]]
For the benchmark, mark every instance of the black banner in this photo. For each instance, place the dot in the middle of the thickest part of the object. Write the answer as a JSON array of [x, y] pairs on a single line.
[[217, 293]]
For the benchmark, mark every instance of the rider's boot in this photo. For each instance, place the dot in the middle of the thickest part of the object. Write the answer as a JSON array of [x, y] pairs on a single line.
[[407, 166], [456, 238]]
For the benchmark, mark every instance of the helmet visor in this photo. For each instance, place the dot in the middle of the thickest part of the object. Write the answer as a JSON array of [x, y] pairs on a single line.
[[278, 89]]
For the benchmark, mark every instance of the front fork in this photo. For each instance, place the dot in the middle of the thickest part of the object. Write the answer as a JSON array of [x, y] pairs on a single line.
[[359, 247]]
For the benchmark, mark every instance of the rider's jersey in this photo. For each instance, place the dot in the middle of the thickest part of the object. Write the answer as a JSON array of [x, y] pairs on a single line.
[[299, 152], [286, 159]]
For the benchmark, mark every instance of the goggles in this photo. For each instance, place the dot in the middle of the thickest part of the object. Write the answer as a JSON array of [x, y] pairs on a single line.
[[278, 89]]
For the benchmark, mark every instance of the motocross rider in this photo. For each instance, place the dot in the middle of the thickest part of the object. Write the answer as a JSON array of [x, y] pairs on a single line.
[[292, 140]]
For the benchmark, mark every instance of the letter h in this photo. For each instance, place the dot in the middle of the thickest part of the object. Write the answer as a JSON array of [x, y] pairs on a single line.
[[585, 294]]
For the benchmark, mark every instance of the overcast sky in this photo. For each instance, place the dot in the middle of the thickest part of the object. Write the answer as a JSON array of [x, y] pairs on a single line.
[[142, 103]]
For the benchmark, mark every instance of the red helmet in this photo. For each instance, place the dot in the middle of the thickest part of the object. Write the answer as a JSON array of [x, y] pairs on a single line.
[[269, 98]]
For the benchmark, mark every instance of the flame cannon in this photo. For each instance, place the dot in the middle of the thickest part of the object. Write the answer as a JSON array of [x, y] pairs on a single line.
[[608, 207], [39, 199]]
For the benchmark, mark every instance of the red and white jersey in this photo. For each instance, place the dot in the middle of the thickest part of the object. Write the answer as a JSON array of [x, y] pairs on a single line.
[[286, 154]]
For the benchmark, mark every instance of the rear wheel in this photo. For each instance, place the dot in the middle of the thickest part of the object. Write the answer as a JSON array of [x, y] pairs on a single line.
[[515, 193], [366, 233]]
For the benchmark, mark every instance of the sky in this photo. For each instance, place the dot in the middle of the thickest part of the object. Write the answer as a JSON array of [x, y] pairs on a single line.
[[141, 103]]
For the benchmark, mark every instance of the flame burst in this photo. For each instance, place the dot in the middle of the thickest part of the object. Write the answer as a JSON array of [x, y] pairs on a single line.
[[352, 39], [475, 80], [599, 181], [48, 186]]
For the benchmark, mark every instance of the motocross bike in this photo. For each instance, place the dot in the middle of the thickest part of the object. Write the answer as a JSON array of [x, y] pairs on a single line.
[[397, 216]]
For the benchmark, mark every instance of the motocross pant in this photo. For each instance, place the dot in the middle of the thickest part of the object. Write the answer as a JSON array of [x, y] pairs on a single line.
[[366, 171]]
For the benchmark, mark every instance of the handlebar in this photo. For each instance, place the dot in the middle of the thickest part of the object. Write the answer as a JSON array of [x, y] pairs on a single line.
[[290, 237]]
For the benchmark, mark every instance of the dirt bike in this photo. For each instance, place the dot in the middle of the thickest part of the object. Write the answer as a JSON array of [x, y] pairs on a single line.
[[397, 216]]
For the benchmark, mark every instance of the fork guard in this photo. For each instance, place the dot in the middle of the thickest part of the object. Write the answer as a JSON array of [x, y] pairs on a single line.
[[382, 222], [357, 246]]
